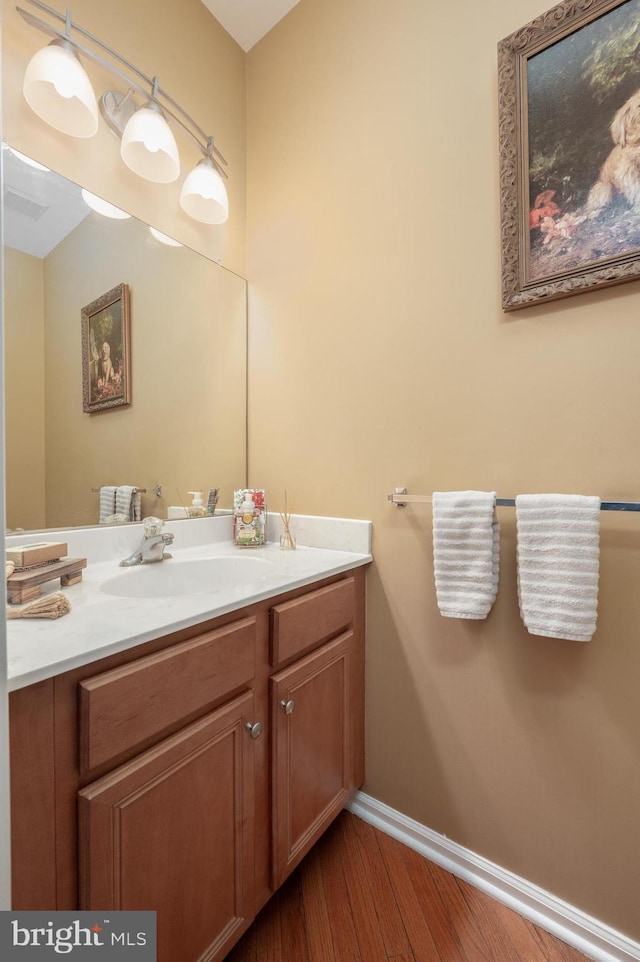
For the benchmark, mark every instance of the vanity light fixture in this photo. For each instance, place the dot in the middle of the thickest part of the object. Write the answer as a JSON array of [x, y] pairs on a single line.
[[148, 146], [103, 206], [203, 195], [58, 90]]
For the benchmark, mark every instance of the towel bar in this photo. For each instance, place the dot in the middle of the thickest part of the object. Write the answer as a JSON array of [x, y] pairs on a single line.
[[157, 490], [400, 498]]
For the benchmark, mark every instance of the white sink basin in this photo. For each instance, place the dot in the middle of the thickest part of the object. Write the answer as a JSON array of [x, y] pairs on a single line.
[[172, 577]]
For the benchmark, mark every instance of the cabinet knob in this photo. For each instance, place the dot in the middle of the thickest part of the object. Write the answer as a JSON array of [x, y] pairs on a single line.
[[288, 706], [254, 730]]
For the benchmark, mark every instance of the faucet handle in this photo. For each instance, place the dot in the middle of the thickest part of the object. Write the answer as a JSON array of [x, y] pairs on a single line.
[[152, 526]]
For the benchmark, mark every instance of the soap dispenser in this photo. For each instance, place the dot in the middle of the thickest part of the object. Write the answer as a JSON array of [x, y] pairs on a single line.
[[247, 508], [248, 517], [196, 509]]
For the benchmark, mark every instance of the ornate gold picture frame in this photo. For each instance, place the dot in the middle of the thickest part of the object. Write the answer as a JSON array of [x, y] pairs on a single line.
[[569, 122], [106, 356]]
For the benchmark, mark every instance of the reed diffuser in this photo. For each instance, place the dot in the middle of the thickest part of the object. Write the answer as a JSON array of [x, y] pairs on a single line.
[[287, 541]]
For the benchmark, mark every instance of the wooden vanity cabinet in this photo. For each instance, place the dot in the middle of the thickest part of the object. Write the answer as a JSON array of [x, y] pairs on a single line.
[[189, 775], [317, 715]]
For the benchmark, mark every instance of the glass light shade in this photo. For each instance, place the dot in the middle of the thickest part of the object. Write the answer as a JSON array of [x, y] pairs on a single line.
[[164, 238], [58, 90], [204, 196], [149, 148], [103, 206], [28, 161]]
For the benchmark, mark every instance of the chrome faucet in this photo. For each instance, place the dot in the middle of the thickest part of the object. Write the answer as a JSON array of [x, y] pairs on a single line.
[[152, 545]]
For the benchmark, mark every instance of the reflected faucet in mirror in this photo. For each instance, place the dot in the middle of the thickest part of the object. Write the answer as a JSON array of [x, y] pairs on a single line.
[[188, 353]]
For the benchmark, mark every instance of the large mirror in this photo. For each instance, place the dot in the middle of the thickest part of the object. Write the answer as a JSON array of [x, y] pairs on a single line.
[[185, 427]]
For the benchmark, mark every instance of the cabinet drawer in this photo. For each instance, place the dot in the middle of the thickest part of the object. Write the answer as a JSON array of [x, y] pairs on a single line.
[[122, 708], [301, 624]]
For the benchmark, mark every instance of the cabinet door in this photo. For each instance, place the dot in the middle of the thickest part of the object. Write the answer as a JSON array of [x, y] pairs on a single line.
[[311, 751], [172, 831]]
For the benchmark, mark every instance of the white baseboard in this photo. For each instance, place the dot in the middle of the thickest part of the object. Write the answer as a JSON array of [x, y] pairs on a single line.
[[586, 934]]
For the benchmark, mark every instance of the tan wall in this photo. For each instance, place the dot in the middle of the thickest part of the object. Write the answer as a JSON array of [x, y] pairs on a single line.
[[380, 356], [197, 63], [185, 426], [24, 389]]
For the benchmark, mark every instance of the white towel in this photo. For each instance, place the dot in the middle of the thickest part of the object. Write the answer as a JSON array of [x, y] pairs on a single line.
[[558, 564], [128, 501], [465, 552], [107, 501]]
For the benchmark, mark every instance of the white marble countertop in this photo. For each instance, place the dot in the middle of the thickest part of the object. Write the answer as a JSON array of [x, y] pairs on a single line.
[[101, 624]]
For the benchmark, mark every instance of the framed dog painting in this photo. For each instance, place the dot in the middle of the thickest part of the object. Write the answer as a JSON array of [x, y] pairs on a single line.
[[569, 89]]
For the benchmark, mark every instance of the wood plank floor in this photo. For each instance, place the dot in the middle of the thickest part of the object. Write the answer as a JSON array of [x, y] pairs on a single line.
[[361, 896]]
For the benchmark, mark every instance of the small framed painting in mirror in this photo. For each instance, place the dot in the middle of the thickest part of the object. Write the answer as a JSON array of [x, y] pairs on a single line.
[[106, 358]]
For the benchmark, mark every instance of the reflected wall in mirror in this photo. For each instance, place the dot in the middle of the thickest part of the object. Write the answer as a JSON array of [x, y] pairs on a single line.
[[186, 425]]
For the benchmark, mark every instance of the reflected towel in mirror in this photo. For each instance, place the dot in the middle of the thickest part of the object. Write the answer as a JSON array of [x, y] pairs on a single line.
[[128, 502], [107, 501]]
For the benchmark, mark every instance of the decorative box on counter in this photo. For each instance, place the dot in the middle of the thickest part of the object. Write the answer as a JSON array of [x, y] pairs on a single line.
[[249, 517], [32, 565], [29, 555]]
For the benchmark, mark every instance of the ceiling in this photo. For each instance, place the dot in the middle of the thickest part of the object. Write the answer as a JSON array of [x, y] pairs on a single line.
[[39, 208], [248, 20]]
